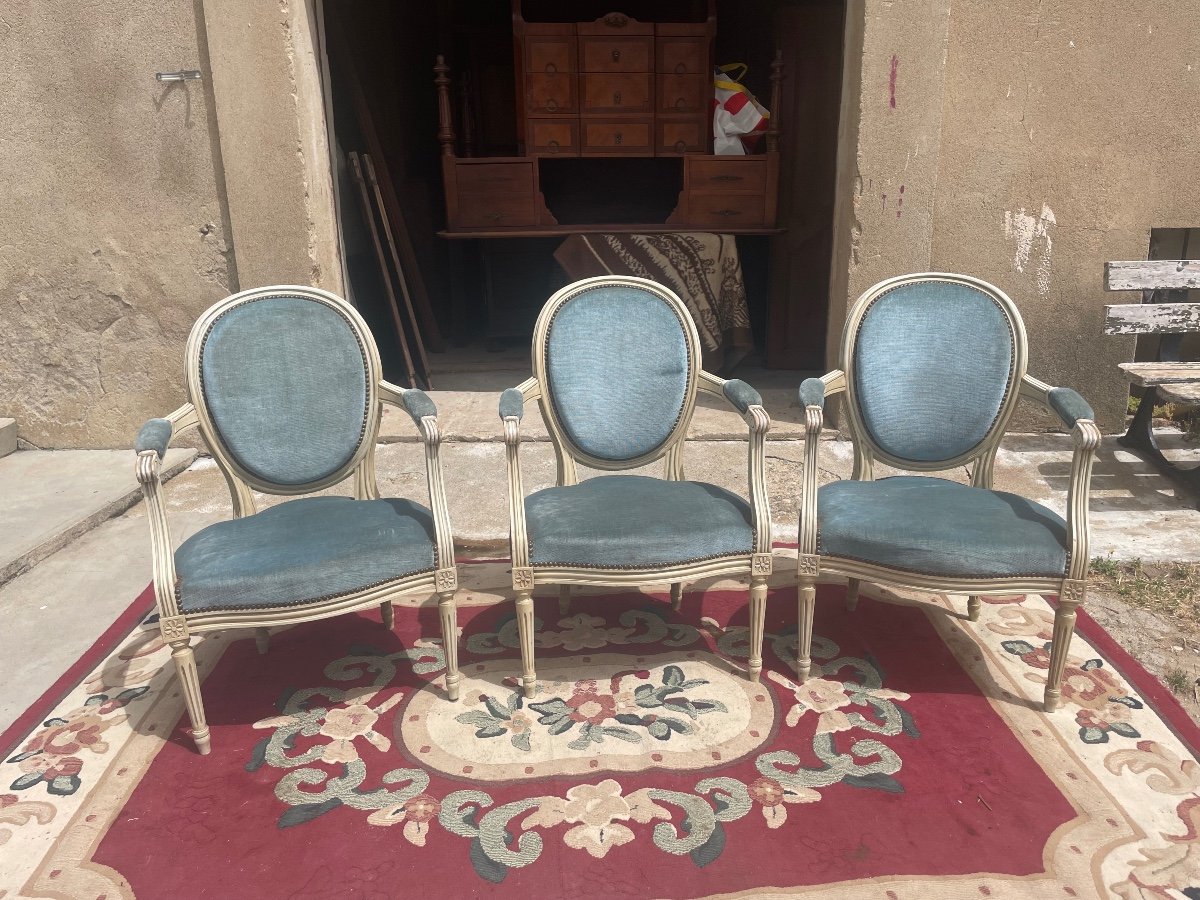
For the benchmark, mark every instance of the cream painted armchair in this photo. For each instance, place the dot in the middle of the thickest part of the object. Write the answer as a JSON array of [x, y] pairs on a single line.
[[616, 368], [287, 390], [932, 368]]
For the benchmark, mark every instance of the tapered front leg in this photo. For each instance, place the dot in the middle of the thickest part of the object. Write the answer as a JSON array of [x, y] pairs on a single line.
[[448, 613], [852, 588], [973, 606], [677, 595], [806, 606], [758, 617], [388, 613], [1064, 627], [189, 680], [262, 639], [525, 630]]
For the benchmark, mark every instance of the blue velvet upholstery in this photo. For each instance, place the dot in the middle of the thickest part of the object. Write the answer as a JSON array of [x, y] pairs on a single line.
[[285, 380], [939, 527], [617, 366], [931, 366], [630, 521], [812, 392], [741, 395], [418, 405], [303, 550], [1068, 405], [155, 435], [512, 403]]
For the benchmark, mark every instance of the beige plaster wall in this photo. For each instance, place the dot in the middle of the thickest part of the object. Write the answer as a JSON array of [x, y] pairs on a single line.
[[112, 237]]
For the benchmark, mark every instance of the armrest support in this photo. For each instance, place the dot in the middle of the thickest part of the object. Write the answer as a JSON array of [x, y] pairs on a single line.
[[512, 408], [812, 395]]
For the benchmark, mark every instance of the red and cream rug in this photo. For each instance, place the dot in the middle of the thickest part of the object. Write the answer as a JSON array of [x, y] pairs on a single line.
[[915, 765]]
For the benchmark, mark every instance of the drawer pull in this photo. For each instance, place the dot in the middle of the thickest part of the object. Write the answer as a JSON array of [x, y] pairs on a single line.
[[552, 104], [680, 69], [553, 145], [680, 103], [616, 55], [726, 213], [616, 98], [726, 178], [551, 68], [617, 138], [680, 146], [495, 216]]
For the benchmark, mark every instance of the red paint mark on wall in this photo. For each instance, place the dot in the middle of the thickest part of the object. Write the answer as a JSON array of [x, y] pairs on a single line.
[[892, 81]]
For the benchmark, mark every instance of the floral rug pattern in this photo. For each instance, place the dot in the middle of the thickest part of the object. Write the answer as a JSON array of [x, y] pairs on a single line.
[[336, 751]]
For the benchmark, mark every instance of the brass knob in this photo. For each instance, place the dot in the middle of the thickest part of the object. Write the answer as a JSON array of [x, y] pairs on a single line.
[[617, 138], [680, 146], [495, 216], [680, 69], [553, 145], [551, 68], [616, 98], [552, 104], [726, 213], [680, 103], [616, 55]]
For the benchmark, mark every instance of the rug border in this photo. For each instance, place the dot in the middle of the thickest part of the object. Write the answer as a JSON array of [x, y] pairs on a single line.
[[24, 724]]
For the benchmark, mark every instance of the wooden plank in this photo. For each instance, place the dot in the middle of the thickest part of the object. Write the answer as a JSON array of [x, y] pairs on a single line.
[[1151, 275], [1180, 393], [1148, 374], [1152, 318]]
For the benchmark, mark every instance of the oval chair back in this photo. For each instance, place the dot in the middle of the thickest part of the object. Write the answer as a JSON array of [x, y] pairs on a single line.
[[933, 367], [619, 359], [285, 382]]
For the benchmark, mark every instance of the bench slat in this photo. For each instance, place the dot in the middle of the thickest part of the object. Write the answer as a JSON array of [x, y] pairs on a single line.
[[1149, 374], [1151, 275], [1152, 318], [1180, 393]]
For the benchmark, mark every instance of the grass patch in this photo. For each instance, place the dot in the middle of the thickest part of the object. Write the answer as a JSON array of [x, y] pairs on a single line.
[[1184, 416], [1172, 589], [1178, 681]]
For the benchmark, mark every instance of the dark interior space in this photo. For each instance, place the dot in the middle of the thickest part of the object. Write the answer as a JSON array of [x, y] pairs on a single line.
[[381, 57]]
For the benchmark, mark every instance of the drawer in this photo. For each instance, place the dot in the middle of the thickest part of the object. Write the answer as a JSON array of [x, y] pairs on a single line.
[[616, 138], [550, 94], [726, 210], [549, 55], [682, 56], [735, 175], [616, 93], [496, 211], [682, 94], [626, 53], [494, 178], [681, 136], [552, 137]]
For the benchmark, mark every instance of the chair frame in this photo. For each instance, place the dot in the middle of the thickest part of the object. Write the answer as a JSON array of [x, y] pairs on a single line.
[[177, 626], [526, 576], [1070, 588]]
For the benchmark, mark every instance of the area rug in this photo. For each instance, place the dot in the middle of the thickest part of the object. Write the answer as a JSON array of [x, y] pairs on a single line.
[[915, 764]]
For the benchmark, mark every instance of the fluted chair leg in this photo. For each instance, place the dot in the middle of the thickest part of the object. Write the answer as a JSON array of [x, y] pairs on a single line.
[[807, 605], [448, 613], [564, 599], [388, 613], [677, 595], [262, 640], [1064, 627], [852, 588], [973, 606], [189, 680], [525, 630], [758, 616]]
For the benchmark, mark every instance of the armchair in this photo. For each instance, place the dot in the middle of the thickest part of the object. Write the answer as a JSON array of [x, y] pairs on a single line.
[[286, 387], [932, 367], [616, 370]]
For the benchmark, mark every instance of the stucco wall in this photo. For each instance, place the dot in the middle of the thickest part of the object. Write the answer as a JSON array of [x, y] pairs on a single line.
[[111, 231], [1050, 136]]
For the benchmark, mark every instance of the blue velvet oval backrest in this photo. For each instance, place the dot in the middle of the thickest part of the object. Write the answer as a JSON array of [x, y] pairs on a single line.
[[618, 365], [285, 380], [933, 364]]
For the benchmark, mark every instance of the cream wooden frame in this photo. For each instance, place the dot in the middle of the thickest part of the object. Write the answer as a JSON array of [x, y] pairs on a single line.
[[177, 626], [1071, 588], [525, 576]]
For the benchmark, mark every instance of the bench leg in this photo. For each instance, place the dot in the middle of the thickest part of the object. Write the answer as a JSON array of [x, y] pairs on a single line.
[[1140, 436]]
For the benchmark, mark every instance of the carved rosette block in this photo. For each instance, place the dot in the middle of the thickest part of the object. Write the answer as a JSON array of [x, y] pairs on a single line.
[[446, 580], [1074, 590], [522, 578], [808, 565], [173, 628], [761, 564]]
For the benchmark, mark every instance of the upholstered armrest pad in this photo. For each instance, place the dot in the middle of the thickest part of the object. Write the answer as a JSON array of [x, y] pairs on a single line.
[[741, 394], [418, 404], [155, 435], [1069, 406], [512, 403], [812, 392]]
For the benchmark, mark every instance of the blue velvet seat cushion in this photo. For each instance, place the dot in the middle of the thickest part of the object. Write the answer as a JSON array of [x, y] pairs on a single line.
[[303, 550], [939, 527], [631, 521]]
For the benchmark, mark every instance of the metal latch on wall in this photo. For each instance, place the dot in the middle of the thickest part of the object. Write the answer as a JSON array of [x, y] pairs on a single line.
[[183, 75]]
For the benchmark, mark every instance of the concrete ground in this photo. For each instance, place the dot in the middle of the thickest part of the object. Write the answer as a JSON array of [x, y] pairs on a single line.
[[74, 543]]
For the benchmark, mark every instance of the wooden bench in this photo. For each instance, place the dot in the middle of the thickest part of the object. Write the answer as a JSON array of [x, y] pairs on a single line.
[[1164, 311]]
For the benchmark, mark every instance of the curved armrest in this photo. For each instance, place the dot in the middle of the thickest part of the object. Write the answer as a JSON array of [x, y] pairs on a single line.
[[741, 395], [155, 435], [812, 393], [1069, 406], [512, 404], [413, 401]]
